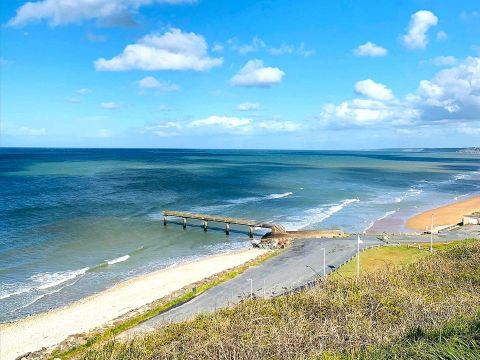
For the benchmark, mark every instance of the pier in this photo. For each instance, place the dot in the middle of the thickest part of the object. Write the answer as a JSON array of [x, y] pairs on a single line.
[[274, 228]]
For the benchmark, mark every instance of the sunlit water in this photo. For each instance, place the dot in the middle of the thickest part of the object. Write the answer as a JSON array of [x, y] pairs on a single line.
[[74, 222]]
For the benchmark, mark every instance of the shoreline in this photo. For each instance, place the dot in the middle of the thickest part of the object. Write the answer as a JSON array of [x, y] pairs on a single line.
[[443, 216], [50, 328]]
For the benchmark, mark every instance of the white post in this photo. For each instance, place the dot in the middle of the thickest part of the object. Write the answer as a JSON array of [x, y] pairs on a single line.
[[358, 256], [251, 288], [324, 264], [264, 289], [431, 236]]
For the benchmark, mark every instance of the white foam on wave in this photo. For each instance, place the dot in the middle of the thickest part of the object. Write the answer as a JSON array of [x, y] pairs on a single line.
[[412, 192], [6, 294], [384, 216], [278, 196], [118, 260], [51, 279], [318, 215]]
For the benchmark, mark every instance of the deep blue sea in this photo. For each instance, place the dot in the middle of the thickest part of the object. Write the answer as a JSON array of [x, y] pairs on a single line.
[[75, 221]]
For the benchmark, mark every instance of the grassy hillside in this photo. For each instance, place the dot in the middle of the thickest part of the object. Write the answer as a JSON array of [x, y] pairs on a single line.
[[428, 309]]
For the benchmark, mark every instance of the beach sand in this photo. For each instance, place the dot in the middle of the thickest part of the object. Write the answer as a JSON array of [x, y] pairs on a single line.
[[50, 328], [445, 215]]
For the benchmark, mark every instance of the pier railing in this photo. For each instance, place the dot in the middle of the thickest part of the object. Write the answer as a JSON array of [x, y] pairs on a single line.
[[275, 228]]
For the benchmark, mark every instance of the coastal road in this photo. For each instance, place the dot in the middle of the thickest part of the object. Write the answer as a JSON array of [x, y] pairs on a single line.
[[296, 266]]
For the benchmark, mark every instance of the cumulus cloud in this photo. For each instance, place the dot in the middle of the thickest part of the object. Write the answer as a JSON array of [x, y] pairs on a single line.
[[365, 112], [255, 74], [149, 82], [451, 96], [62, 12], [248, 106], [370, 49], [416, 36], [110, 105], [174, 50], [374, 90]]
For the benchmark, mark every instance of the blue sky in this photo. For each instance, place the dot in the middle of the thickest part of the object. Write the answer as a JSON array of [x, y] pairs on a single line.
[[240, 74]]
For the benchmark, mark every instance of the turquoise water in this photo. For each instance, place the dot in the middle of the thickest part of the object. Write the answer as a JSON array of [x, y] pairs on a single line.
[[76, 221]]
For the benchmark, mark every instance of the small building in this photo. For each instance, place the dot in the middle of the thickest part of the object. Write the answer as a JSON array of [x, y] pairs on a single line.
[[473, 219]]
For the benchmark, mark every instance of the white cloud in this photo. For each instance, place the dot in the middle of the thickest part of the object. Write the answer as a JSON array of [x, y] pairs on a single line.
[[104, 133], [110, 105], [279, 126], [28, 131], [452, 96], [74, 100], [243, 49], [443, 61], [164, 129], [258, 44], [61, 12], [149, 82], [254, 73], [469, 130], [366, 112], [174, 50], [83, 91], [248, 106], [370, 49], [441, 36], [416, 36], [371, 89], [290, 49], [217, 47], [223, 121]]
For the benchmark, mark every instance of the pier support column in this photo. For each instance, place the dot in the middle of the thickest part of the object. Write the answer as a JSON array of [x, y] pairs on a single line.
[[227, 228], [184, 223], [164, 221], [205, 225], [251, 232]]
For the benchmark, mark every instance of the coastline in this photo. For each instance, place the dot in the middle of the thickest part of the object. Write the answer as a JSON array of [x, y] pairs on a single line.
[[50, 328], [446, 215]]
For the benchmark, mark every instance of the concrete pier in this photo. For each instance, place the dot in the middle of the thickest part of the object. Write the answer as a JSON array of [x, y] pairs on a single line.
[[252, 224]]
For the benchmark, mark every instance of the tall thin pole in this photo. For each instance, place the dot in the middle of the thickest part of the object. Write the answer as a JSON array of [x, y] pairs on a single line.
[[358, 256], [324, 264], [431, 236], [264, 289], [251, 288]]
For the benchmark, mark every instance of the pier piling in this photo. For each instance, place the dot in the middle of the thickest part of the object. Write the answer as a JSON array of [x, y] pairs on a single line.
[[252, 224]]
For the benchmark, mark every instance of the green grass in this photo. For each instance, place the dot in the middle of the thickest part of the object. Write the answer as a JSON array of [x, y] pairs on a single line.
[[430, 306], [387, 256], [108, 334]]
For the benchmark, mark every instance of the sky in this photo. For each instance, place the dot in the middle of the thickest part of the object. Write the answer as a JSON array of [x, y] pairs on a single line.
[[240, 74]]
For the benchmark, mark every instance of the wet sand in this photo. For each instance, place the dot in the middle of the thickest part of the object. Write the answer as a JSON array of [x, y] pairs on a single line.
[[450, 214], [50, 328]]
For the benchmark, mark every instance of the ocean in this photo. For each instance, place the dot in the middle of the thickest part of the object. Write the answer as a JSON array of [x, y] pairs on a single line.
[[75, 221]]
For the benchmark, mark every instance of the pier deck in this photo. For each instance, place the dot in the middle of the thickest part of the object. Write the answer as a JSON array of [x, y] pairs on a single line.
[[275, 228]]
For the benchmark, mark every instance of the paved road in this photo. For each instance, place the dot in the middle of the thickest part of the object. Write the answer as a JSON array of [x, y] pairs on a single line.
[[296, 266]]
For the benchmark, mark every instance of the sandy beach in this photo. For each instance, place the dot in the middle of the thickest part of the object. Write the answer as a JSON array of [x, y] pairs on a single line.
[[50, 328], [449, 214]]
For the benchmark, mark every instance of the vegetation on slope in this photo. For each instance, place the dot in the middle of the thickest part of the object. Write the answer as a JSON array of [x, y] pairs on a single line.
[[428, 307]]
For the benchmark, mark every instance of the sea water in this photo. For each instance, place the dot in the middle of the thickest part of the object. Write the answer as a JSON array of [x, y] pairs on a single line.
[[76, 221]]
